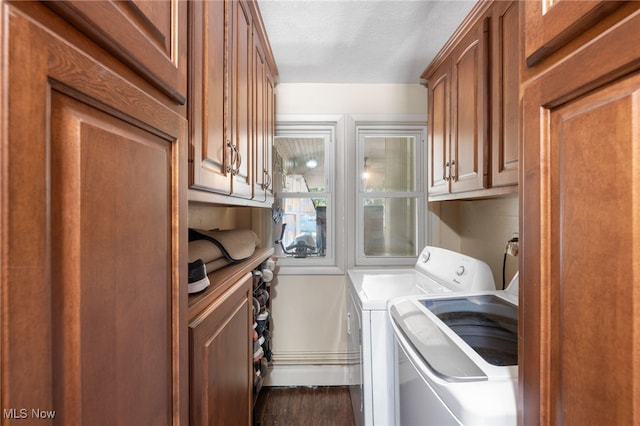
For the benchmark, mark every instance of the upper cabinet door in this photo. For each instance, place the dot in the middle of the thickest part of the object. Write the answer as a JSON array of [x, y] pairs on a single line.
[[439, 130], [549, 25], [469, 107], [505, 77], [241, 102], [210, 144], [260, 127], [148, 36]]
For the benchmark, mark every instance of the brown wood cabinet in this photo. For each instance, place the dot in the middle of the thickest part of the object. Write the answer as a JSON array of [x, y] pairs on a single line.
[[458, 160], [263, 123], [221, 346], [505, 99], [579, 268], [439, 129], [551, 25], [93, 223], [468, 155], [221, 359], [231, 101], [241, 116], [473, 107], [142, 34]]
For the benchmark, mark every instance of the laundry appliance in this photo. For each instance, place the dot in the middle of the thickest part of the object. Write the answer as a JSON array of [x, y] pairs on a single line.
[[370, 336], [456, 360]]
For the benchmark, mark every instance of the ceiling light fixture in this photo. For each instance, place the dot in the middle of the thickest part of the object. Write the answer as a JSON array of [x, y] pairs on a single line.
[[312, 164]]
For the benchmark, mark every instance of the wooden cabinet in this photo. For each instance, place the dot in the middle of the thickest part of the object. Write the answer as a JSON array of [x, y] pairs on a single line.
[[551, 25], [210, 146], [221, 359], [264, 122], [241, 116], [439, 129], [468, 157], [473, 107], [458, 100], [221, 346], [505, 86], [579, 220], [142, 34], [231, 102], [93, 220]]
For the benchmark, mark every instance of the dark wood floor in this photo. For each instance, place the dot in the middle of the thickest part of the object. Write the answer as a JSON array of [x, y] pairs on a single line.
[[304, 406]]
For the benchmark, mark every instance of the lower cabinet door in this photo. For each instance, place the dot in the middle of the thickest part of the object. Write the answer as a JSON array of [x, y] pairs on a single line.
[[221, 389]]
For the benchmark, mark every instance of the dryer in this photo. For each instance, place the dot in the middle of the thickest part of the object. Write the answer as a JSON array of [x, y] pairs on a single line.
[[370, 335]]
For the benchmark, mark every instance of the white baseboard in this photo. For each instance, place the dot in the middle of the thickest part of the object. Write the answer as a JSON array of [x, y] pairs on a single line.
[[307, 375]]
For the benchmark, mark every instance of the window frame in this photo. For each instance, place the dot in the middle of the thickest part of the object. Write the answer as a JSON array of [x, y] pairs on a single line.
[[330, 128], [418, 131]]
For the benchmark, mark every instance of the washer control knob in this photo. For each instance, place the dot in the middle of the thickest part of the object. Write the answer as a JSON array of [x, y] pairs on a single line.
[[425, 257], [460, 271]]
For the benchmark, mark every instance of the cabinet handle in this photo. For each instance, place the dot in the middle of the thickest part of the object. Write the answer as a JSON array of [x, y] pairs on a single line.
[[445, 173], [453, 175], [236, 171], [232, 159], [267, 179]]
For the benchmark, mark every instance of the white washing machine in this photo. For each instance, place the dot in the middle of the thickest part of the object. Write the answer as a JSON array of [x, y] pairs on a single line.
[[456, 358], [370, 336]]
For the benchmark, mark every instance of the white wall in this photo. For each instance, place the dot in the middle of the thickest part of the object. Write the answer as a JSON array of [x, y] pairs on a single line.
[[481, 229], [351, 99]]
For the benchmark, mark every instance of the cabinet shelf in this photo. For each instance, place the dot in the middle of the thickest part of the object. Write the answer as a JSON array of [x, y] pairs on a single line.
[[222, 279]]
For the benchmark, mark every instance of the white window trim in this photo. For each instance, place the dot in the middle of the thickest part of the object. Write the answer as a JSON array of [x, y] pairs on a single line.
[[406, 123], [332, 125]]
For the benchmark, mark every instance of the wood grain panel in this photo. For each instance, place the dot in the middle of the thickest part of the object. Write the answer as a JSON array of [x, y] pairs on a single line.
[[111, 290], [469, 91], [591, 137], [222, 358], [580, 236], [94, 302], [549, 25], [149, 36], [208, 96], [439, 129], [505, 99], [241, 101]]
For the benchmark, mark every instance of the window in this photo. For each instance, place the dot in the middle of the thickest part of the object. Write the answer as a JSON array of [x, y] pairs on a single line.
[[304, 207], [390, 205]]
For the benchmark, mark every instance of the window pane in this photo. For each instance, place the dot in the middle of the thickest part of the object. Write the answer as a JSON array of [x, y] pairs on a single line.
[[389, 164], [305, 222], [299, 162], [390, 227]]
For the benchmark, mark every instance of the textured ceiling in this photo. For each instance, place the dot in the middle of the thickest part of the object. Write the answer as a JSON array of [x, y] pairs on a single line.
[[358, 41]]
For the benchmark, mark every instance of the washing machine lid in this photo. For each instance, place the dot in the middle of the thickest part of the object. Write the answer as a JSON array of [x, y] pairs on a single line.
[[487, 323], [440, 353], [461, 337]]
